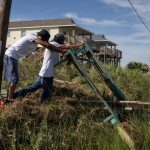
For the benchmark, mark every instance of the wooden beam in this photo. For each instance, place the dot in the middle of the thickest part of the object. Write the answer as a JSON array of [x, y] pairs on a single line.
[[119, 104], [5, 6]]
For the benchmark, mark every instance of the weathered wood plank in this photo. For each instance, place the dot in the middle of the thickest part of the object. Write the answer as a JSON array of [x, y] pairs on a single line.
[[121, 104]]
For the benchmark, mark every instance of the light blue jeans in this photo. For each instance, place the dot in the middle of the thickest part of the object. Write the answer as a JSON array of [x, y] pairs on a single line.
[[46, 83], [10, 70]]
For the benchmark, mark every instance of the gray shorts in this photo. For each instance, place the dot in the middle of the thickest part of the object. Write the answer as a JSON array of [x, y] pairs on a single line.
[[11, 69]]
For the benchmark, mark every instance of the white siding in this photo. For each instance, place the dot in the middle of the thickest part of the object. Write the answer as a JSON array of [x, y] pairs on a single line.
[[15, 34], [53, 32]]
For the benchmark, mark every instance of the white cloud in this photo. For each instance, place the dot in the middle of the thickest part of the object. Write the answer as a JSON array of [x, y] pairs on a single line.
[[135, 47], [92, 21], [135, 53], [119, 3], [142, 6], [139, 35], [71, 15], [136, 44]]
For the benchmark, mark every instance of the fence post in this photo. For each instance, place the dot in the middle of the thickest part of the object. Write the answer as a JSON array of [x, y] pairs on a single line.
[[5, 6]]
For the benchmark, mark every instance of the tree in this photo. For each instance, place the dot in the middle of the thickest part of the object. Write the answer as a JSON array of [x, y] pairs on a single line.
[[139, 66], [134, 65]]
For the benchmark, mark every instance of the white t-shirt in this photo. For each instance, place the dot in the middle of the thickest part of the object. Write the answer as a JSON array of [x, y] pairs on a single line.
[[50, 59], [22, 47]]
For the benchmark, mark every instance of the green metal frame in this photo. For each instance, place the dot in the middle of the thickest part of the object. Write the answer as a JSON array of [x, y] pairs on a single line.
[[73, 56]]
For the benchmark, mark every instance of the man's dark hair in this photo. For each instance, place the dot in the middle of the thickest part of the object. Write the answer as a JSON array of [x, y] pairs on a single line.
[[44, 35], [59, 38]]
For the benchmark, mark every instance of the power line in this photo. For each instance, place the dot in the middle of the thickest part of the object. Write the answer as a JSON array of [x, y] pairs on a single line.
[[139, 16]]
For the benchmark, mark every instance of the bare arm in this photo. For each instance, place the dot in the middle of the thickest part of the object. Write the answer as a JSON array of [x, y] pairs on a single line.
[[76, 46], [49, 46]]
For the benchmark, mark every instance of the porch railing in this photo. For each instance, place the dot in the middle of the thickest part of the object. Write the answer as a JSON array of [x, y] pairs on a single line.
[[109, 52]]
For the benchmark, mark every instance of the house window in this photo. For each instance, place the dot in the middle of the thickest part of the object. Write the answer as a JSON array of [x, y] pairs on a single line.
[[23, 33], [8, 33]]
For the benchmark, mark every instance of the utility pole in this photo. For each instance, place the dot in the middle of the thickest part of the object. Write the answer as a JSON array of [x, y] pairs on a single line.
[[5, 7]]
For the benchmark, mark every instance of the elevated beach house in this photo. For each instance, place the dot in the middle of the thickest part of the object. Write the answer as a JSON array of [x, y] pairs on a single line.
[[104, 49]]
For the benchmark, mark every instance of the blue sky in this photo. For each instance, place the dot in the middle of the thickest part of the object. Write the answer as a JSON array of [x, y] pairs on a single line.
[[113, 18]]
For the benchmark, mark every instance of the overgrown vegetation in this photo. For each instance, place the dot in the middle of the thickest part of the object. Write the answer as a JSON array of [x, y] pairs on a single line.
[[134, 83], [58, 126], [139, 66]]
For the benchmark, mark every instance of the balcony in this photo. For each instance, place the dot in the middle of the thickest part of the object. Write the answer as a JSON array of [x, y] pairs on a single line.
[[104, 50]]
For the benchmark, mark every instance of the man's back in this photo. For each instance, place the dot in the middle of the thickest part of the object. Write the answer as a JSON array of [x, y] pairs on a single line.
[[22, 47]]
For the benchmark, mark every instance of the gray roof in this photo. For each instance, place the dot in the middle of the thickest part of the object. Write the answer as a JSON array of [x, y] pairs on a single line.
[[47, 23], [98, 37], [52, 22]]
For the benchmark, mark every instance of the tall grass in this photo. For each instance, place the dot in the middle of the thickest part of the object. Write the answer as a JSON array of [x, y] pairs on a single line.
[[134, 83], [58, 126]]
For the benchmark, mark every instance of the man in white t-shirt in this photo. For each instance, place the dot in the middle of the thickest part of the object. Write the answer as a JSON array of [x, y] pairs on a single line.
[[22, 48], [46, 74]]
